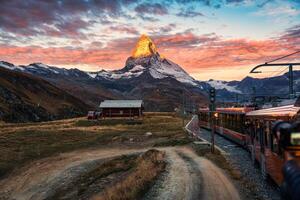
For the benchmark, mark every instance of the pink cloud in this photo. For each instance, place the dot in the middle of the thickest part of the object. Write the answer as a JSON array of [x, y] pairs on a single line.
[[210, 51]]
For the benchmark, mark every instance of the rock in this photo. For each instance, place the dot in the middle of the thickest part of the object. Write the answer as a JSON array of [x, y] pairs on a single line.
[[148, 134]]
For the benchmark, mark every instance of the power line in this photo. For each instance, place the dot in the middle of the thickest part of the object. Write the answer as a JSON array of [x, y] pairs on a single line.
[[281, 71], [283, 57]]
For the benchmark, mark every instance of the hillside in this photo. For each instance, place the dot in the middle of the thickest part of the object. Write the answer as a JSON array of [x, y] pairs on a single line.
[[25, 98]]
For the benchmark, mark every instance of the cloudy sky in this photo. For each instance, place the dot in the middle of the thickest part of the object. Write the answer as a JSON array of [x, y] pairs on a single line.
[[219, 39]]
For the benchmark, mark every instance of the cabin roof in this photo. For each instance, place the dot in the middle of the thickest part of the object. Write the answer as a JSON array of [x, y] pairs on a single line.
[[121, 104]]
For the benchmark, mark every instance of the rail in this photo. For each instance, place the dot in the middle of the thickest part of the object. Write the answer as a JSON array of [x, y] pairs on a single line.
[[193, 129]]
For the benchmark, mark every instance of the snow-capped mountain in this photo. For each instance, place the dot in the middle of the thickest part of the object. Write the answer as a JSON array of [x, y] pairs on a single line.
[[224, 85], [153, 64], [146, 75]]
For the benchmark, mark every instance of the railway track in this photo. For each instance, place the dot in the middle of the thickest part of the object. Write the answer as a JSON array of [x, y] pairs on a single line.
[[240, 160]]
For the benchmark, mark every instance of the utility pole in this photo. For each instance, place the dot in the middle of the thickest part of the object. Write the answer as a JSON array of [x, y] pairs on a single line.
[[253, 94], [212, 108], [183, 108], [291, 77], [291, 82]]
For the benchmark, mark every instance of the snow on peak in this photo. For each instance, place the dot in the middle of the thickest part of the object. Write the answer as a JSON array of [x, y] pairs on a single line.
[[10, 66], [92, 74], [162, 68], [44, 67], [137, 68], [219, 85], [40, 65], [134, 72]]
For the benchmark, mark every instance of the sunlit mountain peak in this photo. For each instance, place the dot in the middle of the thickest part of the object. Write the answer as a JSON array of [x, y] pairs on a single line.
[[144, 47]]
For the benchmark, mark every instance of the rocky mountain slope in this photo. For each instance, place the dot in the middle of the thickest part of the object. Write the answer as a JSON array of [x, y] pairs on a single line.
[[25, 98]]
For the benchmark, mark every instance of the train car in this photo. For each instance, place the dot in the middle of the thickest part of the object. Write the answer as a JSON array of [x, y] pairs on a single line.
[[264, 144], [253, 130], [229, 122]]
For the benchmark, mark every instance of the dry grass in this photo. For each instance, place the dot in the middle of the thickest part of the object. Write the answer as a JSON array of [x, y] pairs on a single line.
[[95, 180], [23, 143], [133, 186], [108, 122]]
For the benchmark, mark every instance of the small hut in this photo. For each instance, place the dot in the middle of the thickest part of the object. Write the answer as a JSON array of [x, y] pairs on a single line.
[[121, 108]]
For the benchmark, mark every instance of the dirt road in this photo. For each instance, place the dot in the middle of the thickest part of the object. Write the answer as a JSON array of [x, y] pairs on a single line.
[[188, 176], [192, 177]]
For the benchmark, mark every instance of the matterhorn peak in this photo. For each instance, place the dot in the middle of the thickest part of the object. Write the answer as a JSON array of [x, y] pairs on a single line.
[[144, 47]]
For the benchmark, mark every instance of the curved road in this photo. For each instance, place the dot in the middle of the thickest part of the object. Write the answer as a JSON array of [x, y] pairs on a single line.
[[188, 176], [192, 177]]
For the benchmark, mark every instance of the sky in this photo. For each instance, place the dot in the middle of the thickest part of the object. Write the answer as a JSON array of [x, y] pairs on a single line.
[[210, 39]]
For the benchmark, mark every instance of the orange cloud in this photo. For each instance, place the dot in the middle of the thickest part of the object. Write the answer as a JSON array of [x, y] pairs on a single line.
[[63, 56], [197, 54]]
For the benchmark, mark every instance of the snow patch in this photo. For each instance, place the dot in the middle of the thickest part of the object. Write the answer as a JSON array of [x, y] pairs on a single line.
[[10, 66], [134, 72], [137, 68], [156, 74], [126, 75], [165, 68], [219, 85], [42, 65], [92, 74]]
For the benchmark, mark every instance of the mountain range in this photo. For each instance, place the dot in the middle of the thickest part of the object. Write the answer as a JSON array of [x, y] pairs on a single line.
[[161, 83]]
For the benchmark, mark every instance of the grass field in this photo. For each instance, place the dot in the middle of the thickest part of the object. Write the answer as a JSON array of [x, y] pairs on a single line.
[[22, 143]]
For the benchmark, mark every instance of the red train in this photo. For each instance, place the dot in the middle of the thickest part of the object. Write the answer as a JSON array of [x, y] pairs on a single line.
[[253, 130]]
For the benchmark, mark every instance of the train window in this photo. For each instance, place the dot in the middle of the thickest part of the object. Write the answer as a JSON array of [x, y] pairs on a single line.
[[268, 134], [260, 135], [221, 119], [275, 147], [265, 130]]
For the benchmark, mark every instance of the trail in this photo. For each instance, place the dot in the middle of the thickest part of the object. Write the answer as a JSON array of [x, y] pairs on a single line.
[[192, 177], [41, 178], [188, 176]]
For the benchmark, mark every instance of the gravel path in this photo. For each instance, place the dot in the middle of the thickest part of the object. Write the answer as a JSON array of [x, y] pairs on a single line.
[[191, 177], [240, 159], [188, 176]]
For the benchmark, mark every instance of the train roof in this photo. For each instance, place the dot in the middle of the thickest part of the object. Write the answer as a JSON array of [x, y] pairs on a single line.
[[282, 111], [233, 110]]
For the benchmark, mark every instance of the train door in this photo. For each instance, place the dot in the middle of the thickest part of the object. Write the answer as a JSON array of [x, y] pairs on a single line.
[[221, 126], [262, 142], [253, 136], [248, 129], [277, 158]]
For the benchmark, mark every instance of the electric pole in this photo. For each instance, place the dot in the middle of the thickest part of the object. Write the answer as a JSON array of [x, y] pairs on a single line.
[[291, 77], [183, 108], [212, 108]]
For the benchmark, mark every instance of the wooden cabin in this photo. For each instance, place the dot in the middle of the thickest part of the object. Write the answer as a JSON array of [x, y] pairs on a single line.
[[121, 108]]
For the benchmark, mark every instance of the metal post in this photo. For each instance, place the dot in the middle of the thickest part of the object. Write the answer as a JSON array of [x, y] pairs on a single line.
[[212, 108], [291, 76], [254, 93], [212, 122], [291, 82], [183, 108]]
